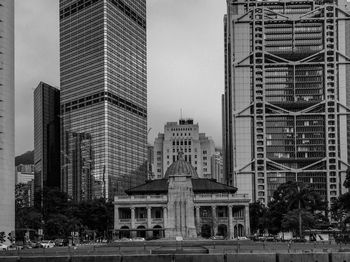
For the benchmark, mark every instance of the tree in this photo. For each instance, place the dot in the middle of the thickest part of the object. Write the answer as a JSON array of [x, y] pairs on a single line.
[[297, 197], [59, 216], [291, 220], [2, 237], [28, 217], [56, 226], [347, 179], [257, 214], [21, 195], [340, 209]]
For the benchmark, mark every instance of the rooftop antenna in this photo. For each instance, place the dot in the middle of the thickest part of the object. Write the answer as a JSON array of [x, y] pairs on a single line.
[[181, 113]]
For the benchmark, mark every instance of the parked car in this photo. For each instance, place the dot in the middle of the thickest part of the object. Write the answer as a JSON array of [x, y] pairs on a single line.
[[3, 247], [47, 244], [15, 246], [35, 244], [137, 239], [124, 239], [59, 242], [218, 237], [242, 238]]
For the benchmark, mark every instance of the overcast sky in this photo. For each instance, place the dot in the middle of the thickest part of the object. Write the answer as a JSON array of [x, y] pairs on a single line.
[[185, 59]]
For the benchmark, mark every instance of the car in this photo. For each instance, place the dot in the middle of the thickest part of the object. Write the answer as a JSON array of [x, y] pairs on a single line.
[[298, 240], [242, 238], [47, 244], [15, 246], [217, 237], [3, 247], [124, 239], [59, 242], [137, 239], [35, 244]]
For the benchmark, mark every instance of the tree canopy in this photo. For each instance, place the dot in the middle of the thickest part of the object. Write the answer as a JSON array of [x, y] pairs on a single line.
[[60, 216], [291, 203]]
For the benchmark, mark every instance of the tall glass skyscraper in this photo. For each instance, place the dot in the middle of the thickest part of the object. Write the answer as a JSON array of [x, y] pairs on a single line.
[[103, 96], [46, 137], [7, 103], [287, 101]]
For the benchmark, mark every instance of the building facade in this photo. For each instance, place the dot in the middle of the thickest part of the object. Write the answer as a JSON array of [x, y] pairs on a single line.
[[286, 102], [217, 167], [181, 205], [7, 142], [24, 174], [103, 96], [46, 137], [183, 136], [150, 161]]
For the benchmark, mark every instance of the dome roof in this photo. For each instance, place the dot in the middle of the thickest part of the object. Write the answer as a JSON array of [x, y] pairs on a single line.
[[181, 168]]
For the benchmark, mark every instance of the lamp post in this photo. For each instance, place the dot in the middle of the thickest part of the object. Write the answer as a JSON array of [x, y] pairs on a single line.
[[299, 207]]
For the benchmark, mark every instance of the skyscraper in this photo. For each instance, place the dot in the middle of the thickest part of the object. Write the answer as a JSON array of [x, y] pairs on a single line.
[[46, 137], [286, 103], [7, 142], [183, 136], [103, 95]]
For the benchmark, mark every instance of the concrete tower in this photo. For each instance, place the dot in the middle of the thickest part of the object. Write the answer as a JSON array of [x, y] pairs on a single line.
[[7, 160]]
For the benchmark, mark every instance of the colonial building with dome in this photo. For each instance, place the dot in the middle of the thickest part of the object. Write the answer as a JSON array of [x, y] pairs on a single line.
[[181, 205]]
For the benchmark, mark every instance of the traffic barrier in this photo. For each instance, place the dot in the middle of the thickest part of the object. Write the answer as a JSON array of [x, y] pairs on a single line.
[[251, 257], [304, 257], [232, 257]]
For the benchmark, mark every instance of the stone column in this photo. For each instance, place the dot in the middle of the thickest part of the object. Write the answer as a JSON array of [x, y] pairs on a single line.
[[116, 217], [149, 222], [116, 222], [133, 233], [215, 223], [198, 220], [230, 223], [247, 220], [165, 219]]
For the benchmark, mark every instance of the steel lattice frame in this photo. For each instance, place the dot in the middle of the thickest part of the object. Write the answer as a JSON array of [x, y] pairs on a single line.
[[257, 14]]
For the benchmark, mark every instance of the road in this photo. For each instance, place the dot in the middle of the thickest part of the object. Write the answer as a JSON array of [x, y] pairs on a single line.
[[212, 246]]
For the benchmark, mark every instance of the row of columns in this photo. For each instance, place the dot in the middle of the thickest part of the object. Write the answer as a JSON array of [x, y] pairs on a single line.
[[133, 224], [230, 220]]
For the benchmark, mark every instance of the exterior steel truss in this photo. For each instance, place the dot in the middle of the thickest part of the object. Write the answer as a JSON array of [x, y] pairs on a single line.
[[299, 38]]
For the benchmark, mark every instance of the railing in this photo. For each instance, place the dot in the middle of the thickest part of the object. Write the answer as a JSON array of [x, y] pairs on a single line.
[[222, 220], [221, 196], [141, 198], [141, 220], [157, 220], [125, 220]]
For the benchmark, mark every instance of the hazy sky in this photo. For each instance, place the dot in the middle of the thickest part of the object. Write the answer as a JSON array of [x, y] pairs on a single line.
[[185, 59]]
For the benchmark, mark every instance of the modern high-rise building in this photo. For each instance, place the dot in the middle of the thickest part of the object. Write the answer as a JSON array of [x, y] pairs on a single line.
[[287, 101], [183, 136], [46, 137], [103, 96], [7, 141]]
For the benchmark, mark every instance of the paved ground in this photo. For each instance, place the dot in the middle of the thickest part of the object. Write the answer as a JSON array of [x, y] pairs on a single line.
[[212, 246]]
